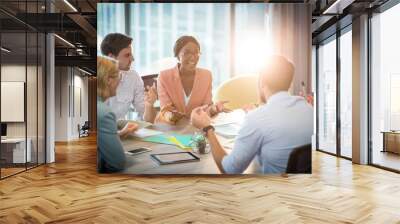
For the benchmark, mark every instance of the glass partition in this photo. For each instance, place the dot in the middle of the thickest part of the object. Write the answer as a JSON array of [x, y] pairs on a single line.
[[327, 96], [14, 152], [22, 90], [31, 98]]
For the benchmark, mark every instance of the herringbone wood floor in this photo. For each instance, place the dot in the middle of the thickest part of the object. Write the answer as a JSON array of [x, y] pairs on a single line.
[[70, 191]]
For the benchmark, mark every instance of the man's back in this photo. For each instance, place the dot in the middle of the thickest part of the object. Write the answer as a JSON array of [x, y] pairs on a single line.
[[270, 133]]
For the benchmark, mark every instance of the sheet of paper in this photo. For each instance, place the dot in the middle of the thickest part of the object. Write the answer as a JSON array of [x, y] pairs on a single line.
[[236, 116], [228, 130], [142, 124], [183, 141], [161, 139], [145, 132]]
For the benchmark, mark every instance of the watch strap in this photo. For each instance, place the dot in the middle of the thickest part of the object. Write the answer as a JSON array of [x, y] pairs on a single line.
[[207, 128]]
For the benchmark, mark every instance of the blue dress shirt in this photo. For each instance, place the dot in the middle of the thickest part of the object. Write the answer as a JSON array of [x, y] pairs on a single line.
[[270, 133]]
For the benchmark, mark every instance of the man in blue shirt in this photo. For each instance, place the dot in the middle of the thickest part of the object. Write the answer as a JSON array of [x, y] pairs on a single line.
[[270, 132]]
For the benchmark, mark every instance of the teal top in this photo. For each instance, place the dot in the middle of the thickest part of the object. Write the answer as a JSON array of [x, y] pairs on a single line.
[[109, 144]]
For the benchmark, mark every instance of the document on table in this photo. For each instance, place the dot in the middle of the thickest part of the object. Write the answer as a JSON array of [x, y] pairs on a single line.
[[236, 116], [142, 124], [182, 141], [228, 130], [145, 132]]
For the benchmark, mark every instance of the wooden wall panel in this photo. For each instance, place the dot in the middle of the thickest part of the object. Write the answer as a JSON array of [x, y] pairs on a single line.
[[93, 103]]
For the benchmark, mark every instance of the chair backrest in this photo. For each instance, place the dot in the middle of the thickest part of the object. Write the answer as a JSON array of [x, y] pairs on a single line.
[[239, 91], [86, 125], [300, 160]]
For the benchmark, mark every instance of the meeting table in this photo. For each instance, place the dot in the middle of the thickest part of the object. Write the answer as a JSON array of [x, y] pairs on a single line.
[[144, 163]]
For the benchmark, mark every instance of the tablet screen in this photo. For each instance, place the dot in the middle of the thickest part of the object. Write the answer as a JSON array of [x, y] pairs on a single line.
[[178, 157]]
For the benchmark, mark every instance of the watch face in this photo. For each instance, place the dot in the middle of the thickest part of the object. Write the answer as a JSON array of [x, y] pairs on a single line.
[[205, 129]]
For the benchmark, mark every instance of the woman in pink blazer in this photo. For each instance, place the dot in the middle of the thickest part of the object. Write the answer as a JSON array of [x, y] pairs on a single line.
[[185, 86]]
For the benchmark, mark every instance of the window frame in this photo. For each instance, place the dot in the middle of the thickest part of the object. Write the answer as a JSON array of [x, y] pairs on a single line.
[[380, 9], [333, 37]]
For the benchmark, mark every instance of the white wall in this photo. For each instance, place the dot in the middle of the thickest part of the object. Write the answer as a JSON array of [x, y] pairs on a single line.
[[61, 103], [33, 127], [14, 73], [69, 85]]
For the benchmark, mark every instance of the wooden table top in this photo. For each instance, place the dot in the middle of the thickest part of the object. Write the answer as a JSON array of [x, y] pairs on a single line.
[[144, 164]]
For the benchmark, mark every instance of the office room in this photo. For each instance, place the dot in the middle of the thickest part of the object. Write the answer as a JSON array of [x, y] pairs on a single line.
[[199, 112], [232, 42]]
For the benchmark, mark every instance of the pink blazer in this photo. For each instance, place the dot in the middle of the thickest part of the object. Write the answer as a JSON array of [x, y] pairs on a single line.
[[170, 90]]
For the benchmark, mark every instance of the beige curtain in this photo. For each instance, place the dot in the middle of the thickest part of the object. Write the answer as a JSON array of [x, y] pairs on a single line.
[[288, 29]]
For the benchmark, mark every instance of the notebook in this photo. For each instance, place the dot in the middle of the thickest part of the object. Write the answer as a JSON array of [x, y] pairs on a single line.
[[182, 141]]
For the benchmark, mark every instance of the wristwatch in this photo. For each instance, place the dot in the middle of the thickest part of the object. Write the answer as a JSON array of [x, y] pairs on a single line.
[[207, 128]]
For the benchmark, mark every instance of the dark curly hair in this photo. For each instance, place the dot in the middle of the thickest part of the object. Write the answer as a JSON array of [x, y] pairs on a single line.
[[113, 43], [182, 41]]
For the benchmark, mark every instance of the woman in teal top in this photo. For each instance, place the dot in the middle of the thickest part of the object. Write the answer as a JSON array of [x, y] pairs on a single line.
[[110, 154]]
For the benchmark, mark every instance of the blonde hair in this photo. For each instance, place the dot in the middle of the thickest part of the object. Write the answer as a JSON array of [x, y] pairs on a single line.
[[106, 68]]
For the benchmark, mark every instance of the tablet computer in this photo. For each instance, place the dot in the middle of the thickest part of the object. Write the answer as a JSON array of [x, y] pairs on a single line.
[[174, 157]]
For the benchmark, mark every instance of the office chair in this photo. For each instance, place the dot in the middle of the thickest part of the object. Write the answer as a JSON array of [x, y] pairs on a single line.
[[239, 91], [86, 126], [300, 160], [84, 130]]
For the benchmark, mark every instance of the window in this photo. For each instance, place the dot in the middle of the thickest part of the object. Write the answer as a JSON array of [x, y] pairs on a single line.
[[385, 85], [394, 101], [110, 19], [327, 96], [234, 39], [335, 137], [346, 94], [155, 28]]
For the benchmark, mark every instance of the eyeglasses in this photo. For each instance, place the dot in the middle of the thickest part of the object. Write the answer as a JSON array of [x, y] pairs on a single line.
[[189, 53]]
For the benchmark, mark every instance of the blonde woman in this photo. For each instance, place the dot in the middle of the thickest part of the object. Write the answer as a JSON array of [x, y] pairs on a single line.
[[111, 155]]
